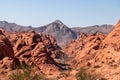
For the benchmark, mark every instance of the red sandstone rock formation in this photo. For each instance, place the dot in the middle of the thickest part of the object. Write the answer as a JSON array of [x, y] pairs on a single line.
[[30, 48], [99, 53], [84, 48], [5, 46], [38, 49]]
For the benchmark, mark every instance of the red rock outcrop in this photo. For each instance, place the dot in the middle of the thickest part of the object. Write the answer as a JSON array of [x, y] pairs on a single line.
[[110, 46], [99, 53], [5, 46], [6, 67], [84, 48], [13, 37], [7, 60], [38, 49]]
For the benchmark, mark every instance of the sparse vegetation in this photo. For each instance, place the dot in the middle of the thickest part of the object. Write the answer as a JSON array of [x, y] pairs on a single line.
[[97, 66], [24, 72], [110, 63], [84, 75], [103, 79]]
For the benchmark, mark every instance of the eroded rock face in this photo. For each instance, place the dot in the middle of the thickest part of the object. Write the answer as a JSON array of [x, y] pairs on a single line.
[[84, 48], [5, 46], [99, 53], [38, 49], [6, 64], [110, 46], [108, 56], [7, 60], [113, 40]]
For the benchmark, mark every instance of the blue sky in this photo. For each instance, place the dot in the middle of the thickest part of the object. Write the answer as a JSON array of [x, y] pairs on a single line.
[[73, 13]]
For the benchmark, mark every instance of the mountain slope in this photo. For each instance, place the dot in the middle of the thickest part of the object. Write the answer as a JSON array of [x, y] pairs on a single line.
[[13, 27], [61, 32], [93, 29]]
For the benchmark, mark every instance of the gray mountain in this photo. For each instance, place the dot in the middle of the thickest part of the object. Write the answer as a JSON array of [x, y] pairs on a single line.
[[60, 31], [104, 29], [13, 27]]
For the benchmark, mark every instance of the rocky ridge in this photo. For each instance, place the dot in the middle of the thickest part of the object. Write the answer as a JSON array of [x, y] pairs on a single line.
[[98, 53]]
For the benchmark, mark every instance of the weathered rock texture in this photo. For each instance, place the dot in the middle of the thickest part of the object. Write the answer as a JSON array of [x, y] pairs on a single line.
[[5, 46], [6, 56], [98, 52], [84, 48], [38, 49]]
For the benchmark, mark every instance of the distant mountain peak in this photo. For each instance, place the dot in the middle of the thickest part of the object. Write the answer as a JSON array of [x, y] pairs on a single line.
[[3, 22], [58, 22]]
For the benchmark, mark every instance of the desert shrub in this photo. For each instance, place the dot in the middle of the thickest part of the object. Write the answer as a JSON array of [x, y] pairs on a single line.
[[17, 76], [84, 75], [24, 72], [97, 66], [103, 79]]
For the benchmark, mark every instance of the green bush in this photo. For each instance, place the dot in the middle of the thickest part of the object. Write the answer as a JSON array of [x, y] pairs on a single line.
[[84, 75], [25, 74], [17, 76]]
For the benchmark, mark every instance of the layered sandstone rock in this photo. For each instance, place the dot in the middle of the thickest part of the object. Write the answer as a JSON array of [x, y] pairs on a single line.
[[39, 50]]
